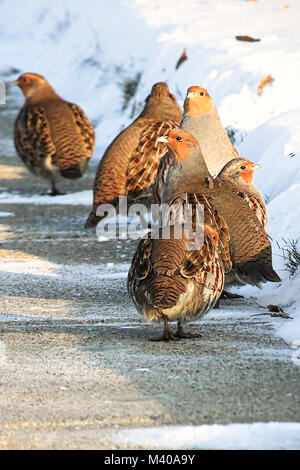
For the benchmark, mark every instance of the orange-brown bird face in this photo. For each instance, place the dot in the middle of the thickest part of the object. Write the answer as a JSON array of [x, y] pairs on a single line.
[[213, 234], [197, 101], [180, 142], [29, 82], [241, 168]]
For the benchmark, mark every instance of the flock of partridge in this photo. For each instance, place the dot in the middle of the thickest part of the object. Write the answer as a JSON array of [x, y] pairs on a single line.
[[172, 159]]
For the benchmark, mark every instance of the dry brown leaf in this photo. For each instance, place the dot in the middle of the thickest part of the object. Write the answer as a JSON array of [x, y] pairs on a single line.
[[181, 59], [246, 39], [264, 81]]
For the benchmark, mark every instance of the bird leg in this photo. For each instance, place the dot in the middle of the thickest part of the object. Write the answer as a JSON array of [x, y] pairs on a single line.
[[167, 333], [230, 295], [185, 334], [54, 190]]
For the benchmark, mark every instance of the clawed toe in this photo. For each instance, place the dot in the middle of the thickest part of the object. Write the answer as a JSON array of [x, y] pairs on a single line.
[[53, 193], [56, 193], [230, 295], [186, 334], [166, 336]]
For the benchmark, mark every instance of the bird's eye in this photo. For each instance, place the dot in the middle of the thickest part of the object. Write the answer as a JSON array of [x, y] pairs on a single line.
[[178, 138], [201, 93], [243, 167]]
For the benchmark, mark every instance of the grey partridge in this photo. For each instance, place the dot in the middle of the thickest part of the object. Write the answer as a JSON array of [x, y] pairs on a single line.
[[170, 280], [129, 165], [240, 171], [250, 247], [201, 119], [51, 135], [167, 281]]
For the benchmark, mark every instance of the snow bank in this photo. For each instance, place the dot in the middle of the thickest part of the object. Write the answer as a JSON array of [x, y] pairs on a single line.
[[276, 146]]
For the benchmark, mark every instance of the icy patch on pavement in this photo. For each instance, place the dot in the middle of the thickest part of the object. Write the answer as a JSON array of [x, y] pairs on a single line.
[[255, 436], [74, 273], [6, 214], [33, 267], [82, 198]]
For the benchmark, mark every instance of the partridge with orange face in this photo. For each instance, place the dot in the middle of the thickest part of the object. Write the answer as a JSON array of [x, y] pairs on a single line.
[[129, 165], [51, 135], [240, 171], [200, 119], [175, 276]]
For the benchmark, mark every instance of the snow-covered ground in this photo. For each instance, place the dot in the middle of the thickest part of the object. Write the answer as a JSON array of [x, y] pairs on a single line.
[[255, 436], [88, 49]]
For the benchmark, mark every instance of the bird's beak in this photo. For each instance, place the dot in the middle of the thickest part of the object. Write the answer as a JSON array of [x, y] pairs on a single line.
[[256, 166], [190, 94], [15, 82], [163, 138]]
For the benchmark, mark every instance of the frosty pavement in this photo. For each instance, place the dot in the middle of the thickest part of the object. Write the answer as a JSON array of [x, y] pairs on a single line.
[[75, 361]]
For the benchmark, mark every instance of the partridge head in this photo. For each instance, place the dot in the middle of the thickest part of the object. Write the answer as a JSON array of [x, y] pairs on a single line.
[[197, 101], [241, 170], [32, 84]]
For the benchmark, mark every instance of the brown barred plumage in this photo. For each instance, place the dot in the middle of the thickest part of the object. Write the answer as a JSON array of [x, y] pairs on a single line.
[[170, 279], [240, 172], [167, 280], [129, 165], [144, 162]]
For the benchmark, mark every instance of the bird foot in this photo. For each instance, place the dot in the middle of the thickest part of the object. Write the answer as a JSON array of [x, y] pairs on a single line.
[[230, 295], [55, 192], [186, 334], [166, 336]]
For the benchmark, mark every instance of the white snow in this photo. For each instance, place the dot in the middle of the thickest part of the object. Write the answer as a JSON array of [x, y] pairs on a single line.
[[86, 53], [255, 436], [76, 273], [82, 198], [6, 214]]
